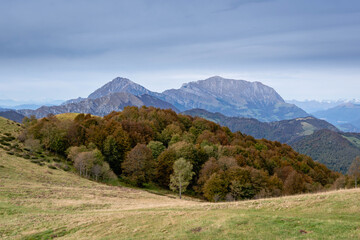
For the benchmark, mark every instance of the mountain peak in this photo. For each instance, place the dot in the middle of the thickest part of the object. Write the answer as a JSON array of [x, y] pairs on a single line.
[[121, 80], [120, 84]]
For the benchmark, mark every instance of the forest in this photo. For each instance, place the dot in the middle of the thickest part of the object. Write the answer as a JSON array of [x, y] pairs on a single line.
[[140, 146]]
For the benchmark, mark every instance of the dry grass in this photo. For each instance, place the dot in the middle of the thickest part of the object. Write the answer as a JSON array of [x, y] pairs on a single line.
[[8, 126], [41, 203]]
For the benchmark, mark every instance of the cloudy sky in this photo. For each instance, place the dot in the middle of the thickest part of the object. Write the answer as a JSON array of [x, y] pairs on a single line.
[[61, 49]]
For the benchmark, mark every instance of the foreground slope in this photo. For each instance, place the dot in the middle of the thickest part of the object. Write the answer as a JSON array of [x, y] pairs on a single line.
[[41, 203]]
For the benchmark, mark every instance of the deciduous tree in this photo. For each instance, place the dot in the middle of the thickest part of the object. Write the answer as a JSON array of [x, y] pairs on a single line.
[[354, 169], [182, 175]]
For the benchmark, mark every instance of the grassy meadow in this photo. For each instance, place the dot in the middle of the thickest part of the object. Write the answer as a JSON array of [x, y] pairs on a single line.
[[38, 202]]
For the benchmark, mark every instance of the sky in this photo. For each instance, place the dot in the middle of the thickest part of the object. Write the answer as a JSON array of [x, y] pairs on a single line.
[[63, 49]]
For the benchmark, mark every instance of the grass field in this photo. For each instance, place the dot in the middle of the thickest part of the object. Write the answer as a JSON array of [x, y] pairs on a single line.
[[37, 202]]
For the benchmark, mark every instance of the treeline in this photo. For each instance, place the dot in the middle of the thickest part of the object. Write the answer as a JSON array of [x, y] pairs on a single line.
[[140, 145]]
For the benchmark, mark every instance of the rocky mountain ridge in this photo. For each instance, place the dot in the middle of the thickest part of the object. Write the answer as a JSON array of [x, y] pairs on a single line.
[[101, 106]]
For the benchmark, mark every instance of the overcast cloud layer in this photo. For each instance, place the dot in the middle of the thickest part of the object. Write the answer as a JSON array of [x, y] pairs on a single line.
[[51, 49]]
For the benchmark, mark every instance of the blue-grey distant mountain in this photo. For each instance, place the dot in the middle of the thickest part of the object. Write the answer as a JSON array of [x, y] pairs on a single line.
[[101, 106], [216, 94], [233, 98], [311, 106], [12, 115], [348, 113], [11, 104], [285, 131], [120, 85], [75, 100]]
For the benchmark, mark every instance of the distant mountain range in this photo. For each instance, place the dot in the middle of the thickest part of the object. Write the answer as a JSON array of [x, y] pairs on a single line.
[[285, 131], [15, 105], [345, 116], [312, 106], [311, 136], [11, 114], [251, 107], [101, 106], [216, 94]]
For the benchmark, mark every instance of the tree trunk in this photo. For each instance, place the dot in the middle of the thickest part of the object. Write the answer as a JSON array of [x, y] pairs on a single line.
[[180, 189], [355, 181]]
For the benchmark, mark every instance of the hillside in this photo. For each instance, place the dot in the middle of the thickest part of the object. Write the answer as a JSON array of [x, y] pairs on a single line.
[[348, 113], [141, 146], [100, 106], [12, 115], [286, 131], [334, 149], [316, 138], [41, 203]]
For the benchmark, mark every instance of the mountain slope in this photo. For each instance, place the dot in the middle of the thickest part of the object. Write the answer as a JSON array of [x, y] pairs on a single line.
[[12, 115], [64, 205], [233, 98], [101, 106], [343, 114], [120, 85], [284, 131], [334, 149], [310, 136]]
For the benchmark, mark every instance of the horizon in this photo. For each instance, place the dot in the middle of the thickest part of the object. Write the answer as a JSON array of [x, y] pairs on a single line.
[[50, 101], [65, 50]]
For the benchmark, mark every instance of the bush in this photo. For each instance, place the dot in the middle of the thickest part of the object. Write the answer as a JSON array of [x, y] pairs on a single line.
[[52, 166]]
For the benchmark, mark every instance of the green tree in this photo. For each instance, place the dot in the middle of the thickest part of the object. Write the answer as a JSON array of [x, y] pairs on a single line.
[[114, 149], [354, 169], [182, 175], [164, 167], [156, 148]]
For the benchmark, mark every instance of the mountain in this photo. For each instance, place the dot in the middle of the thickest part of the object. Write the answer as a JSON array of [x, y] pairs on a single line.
[[215, 94], [285, 131], [120, 85], [12, 115], [311, 106], [348, 127], [101, 106], [336, 150], [233, 98], [76, 100], [356, 123], [310, 136], [343, 114], [12, 104]]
